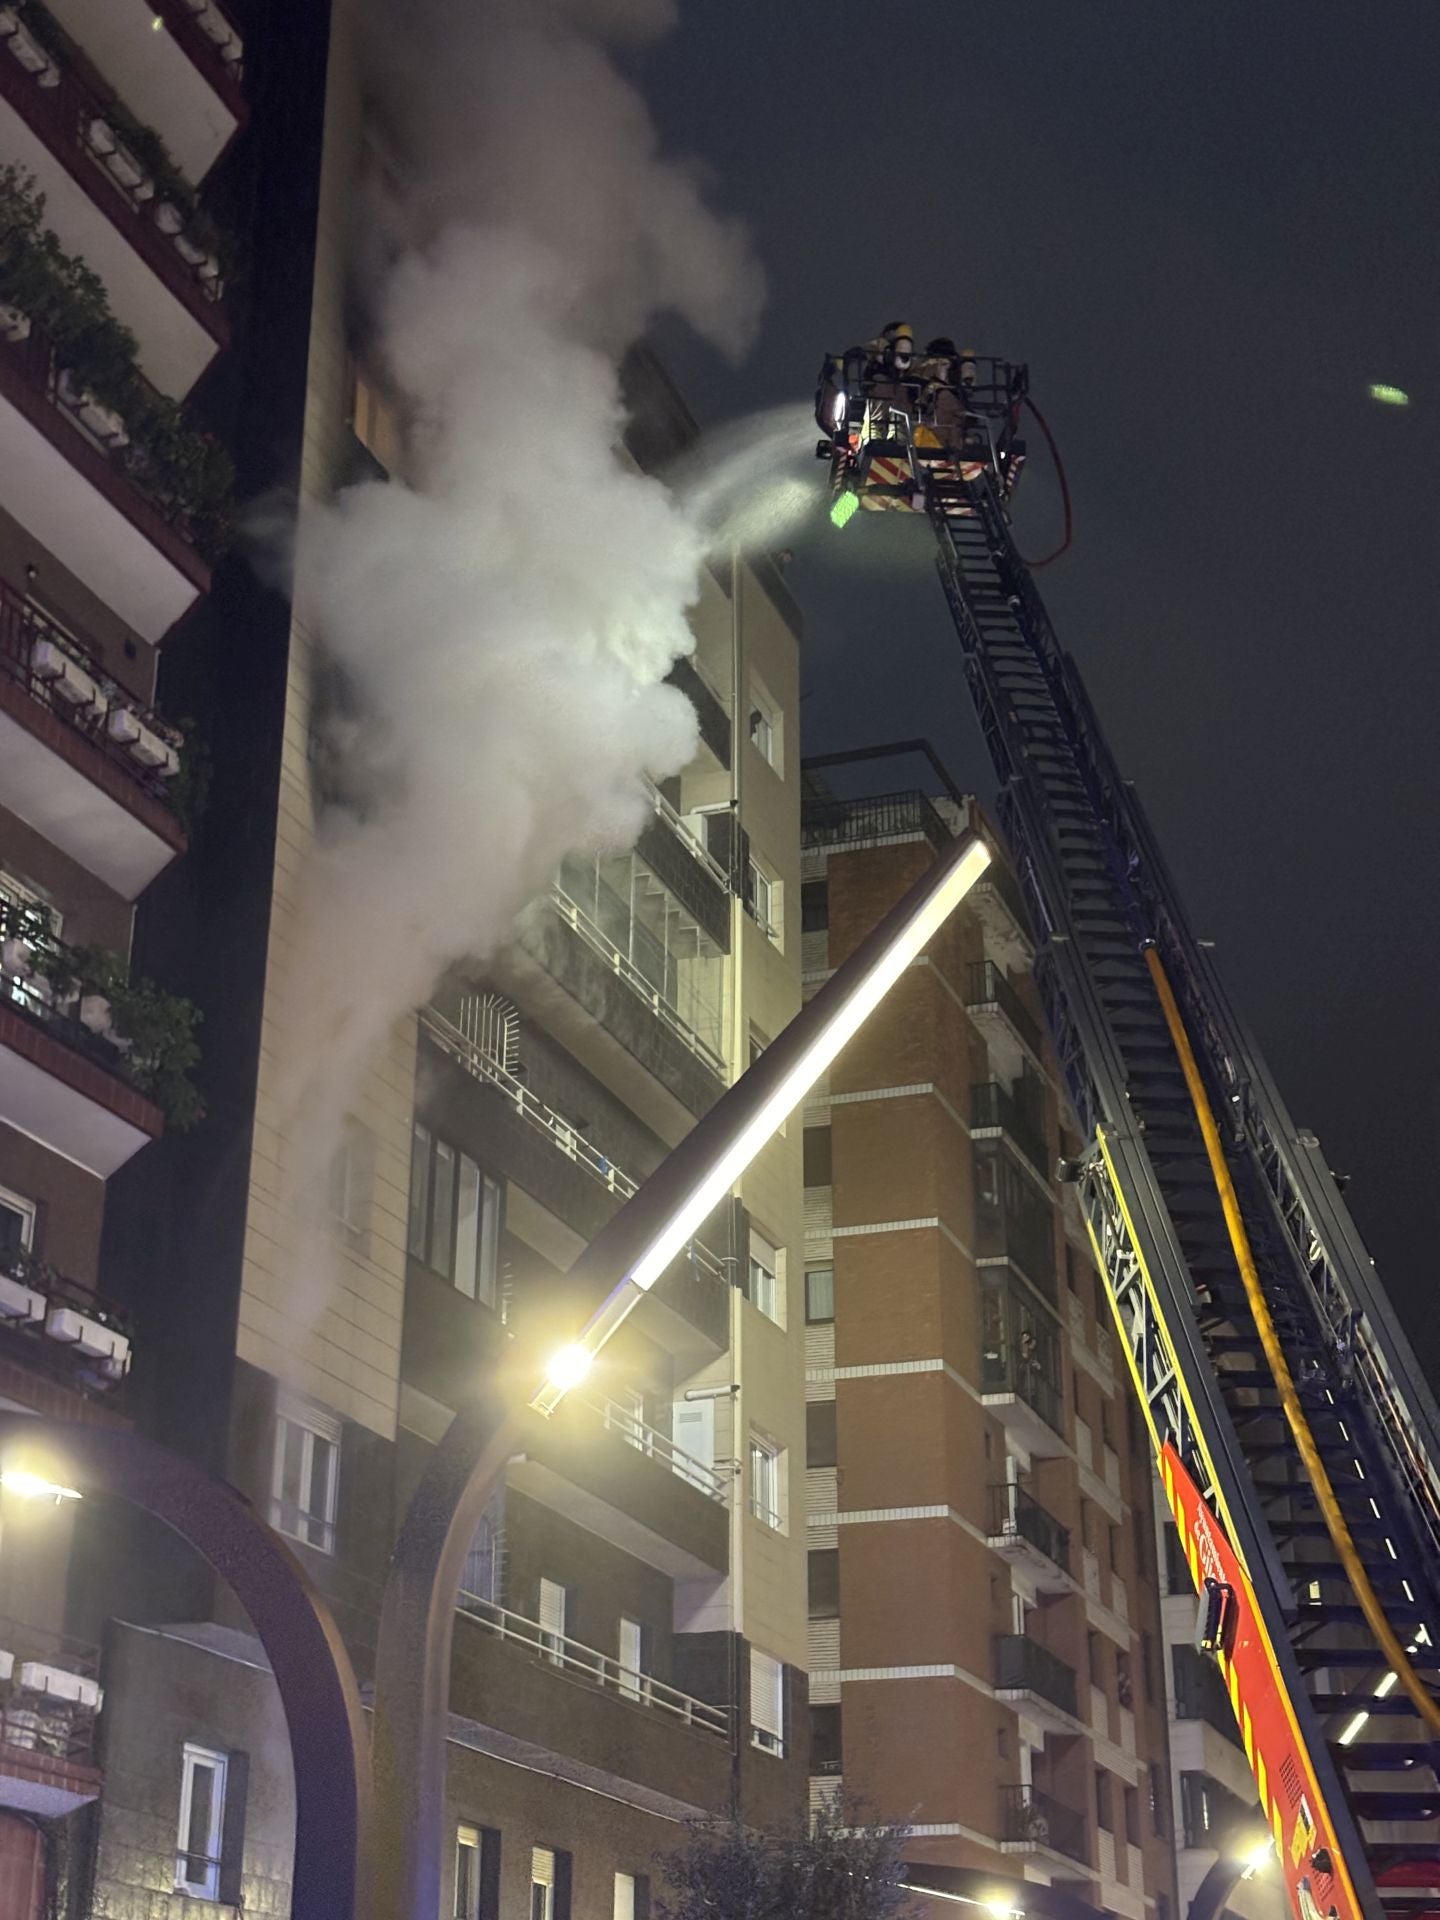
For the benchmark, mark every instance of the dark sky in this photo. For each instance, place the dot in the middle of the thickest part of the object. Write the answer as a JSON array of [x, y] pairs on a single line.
[[1206, 226]]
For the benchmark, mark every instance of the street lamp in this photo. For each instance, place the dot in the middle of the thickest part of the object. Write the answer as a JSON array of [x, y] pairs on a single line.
[[412, 1661]]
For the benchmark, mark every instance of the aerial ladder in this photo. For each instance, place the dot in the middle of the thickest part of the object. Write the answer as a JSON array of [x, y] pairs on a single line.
[[1297, 1441]]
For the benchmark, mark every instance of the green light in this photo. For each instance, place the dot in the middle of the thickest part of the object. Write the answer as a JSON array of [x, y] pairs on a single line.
[[1390, 396], [846, 506]]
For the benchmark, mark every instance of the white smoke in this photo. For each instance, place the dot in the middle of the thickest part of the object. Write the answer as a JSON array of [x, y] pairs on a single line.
[[503, 617]]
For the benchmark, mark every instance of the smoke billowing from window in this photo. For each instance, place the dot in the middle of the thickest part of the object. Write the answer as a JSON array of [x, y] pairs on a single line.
[[499, 622]]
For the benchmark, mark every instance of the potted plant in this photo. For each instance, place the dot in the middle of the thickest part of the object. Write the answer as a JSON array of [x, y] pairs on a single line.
[[14, 324], [100, 137], [96, 1013], [103, 423]]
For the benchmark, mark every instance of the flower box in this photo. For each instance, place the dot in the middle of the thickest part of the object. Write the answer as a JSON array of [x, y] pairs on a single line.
[[19, 1302], [190, 251], [103, 424], [127, 172], [96, 1015], [167, 216], [100, 137], [14, 325], [37, 1676], [23, 47], [9, 22], [75, 1329]]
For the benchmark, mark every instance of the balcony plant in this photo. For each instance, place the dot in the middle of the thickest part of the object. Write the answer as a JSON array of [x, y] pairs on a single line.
[[186, 472]]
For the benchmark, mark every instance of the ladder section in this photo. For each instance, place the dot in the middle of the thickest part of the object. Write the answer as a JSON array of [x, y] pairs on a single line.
[[1197, 1352]]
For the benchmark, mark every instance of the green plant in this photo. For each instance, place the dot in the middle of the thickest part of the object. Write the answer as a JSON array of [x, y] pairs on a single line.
[[187, 472]]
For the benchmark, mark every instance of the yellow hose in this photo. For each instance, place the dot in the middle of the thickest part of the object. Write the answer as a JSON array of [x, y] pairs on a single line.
[[1390, 1644]]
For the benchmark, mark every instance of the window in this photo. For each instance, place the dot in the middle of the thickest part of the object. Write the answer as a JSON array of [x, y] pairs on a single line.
[[352, 1182], [633, 1682], [767, 727], [305, 1474], [1124, 1690], [824, 1571], [814, 906], [766, 902], [202, 1821], [1070, 1267], [632, 1896], [374, 422], [484, 1563], [1132, 1816], [767, 1482], [820, 1295], [1147, 1666], [543, 1875], [818, 1160], [1103, 1815], [820, 1436], [826, 1753], [1092, 1659], [477, 1873], [767, 1703], [17, 1224], [454, 1216], [1114, 1549], [552, 1620], [765, 1279], [1159, 1793]]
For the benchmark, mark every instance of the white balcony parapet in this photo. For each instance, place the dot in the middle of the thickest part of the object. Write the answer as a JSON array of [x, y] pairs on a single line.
[[573, 1656]]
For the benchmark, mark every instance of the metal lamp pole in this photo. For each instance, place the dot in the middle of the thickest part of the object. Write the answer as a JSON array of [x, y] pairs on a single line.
[[412, 1666]]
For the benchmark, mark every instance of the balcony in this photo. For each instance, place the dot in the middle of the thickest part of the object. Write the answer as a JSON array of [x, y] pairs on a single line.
[[1021, 1530], [608, 1471], [710, 709], [995, 1113], [1031, 1822], [1020, 1371], [1029, 1675], [182, 79], [1014, 1221], [1200, 1693], [52, 1325], [49, 1700], [119, 529], [690, 873], [884, 820], [87, 766], [130, 222], [1000, 908], [70, 1075], [1011, 1032]]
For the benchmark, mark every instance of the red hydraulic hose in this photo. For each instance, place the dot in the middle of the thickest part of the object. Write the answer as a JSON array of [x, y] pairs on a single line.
[[1064, 487]]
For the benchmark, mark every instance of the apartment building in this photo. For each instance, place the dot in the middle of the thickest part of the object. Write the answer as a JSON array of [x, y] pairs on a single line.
[[985, 1632], [631, 1640], [115, 323]]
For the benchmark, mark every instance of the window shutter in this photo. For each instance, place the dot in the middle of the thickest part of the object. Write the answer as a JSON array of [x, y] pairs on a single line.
[[767, 1694], [552, 1606]]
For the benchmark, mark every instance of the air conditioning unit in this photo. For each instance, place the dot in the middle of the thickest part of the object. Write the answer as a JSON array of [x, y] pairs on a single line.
[[37, 1676], [78, 1330], [67, 679], [19, 1302]]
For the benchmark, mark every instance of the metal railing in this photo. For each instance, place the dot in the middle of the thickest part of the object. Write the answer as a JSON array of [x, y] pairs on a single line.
[[1032, 1818], [33, 994], [57, 1290], [38, 1718], [1015, 1514], [992, 1105], [986, 987], [71, 115], [1201, 1694], [681, 827], [657, 1446], [573, 1656], [620, 963], [1025, 1378], [886, 816], [475, 1059], [1023, 1665], [22, 627]]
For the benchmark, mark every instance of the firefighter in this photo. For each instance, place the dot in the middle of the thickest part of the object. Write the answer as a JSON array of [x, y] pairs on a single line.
[[942, 401]]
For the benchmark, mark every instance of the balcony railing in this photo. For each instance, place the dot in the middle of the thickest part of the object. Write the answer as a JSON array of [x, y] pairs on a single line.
[[71, 1326], [603, 1668], [1023, 1665], [682, 829], [575, 916], [61, 676], [1200, 1693], [78, 122], [49, 1694], [658, 1446], [1016, 1514], [208, 35], [886, 816], [992, 1105], [477, 1060], [986, 987], [130, 474], [1032, 1818]]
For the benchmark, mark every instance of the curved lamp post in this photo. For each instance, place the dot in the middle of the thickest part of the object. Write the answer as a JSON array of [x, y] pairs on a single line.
[[412, 1662], [306, 1654]]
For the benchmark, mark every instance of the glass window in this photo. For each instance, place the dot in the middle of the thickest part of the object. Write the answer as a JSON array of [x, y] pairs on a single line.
[[17, 1224], [468, 1211], [202, 1821], [764, 1285], [632, 1659], [305, 1474], [766, 726], [819, 1170], [820, 1295], [814, 906], [767, 1702], [352, 1180], [467, 1873], [824, 1583], [419, 1218], [767, 1482], [552, 1620], [442, 1215], [484, 1563], [454, 1217], [825, 1739], [820, 1434], [542, 1884]]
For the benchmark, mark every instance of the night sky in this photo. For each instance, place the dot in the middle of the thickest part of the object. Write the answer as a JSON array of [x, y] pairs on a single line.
[[1207, 227]]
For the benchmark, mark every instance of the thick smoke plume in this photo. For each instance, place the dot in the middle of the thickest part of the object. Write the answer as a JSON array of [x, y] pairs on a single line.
[[500, 621]]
